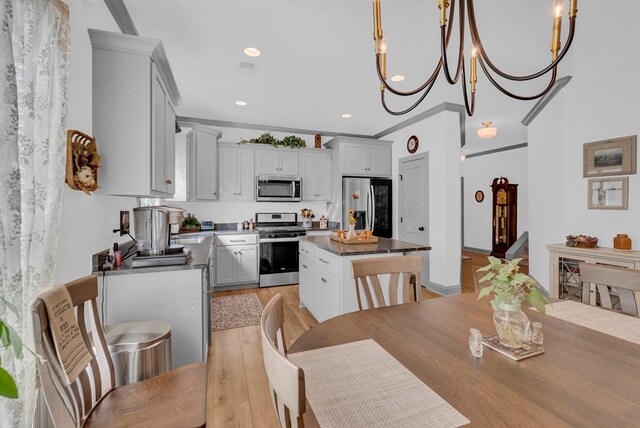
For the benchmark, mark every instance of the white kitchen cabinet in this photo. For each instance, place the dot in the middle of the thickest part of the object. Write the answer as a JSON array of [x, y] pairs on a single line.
[[236, 259], [277, 161], [134, 98], [236, 172], [176, 297], [202, 164], [316, 175], [360, 157], [326, 281], [306, 276]]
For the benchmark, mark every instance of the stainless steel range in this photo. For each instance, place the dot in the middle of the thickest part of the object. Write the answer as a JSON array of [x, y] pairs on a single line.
[[278, 235]]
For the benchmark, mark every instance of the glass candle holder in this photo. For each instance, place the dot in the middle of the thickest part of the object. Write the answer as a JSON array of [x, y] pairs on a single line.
[[475, 343], [536, 333]]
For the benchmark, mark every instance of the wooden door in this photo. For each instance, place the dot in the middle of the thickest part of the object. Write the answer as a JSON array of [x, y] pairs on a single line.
[[247, 263], [226, 265], [227, 172], [380, 161], [353, 159], [267, 162], [289, 162], [309, 176], [324, 174], [413, 203], [246, 175], [158, 132], [206, 166]]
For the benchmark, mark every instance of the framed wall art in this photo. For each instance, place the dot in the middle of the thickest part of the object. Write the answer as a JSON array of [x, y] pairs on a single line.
[[610, 157], [608, 193]]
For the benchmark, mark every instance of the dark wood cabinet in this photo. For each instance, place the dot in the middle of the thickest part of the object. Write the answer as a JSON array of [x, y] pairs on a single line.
[[505, 216]]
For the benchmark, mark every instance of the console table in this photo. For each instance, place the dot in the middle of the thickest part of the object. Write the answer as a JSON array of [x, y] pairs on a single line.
[[564, 271]]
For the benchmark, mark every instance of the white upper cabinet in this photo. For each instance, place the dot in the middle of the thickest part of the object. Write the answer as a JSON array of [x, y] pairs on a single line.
[[362, 157], [272, 161], [236, 172], [315, 166], [134, 98], [202, 164]]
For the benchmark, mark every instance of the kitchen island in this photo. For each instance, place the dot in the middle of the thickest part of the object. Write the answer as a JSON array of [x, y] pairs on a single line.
[[326, 279]]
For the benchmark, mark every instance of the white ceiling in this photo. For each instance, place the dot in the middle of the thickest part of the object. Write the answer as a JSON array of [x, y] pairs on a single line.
[[318, 60]]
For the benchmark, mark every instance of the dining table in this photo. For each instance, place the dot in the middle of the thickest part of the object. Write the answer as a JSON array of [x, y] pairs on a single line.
[[583, 378]]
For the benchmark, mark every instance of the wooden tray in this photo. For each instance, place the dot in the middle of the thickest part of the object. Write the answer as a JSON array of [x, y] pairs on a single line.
[[369, 240]]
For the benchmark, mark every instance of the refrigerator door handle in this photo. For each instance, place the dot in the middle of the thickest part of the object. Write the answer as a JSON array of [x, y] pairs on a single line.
[[373, 208], [367, 217]]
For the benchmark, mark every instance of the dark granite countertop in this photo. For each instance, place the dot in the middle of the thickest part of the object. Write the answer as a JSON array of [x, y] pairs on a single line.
[[384, 245], [199, 260]]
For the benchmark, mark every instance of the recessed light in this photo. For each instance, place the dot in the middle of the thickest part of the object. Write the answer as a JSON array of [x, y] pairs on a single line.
[[241, 103], [397, 78], [252, 52], [346, 115]]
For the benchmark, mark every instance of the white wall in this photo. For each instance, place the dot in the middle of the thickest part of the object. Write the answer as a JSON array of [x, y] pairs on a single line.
[[440, 136], [600, 102], [87, 221], [478, 173]]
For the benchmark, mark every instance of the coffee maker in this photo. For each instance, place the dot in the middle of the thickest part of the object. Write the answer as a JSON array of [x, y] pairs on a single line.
[[152, 232]]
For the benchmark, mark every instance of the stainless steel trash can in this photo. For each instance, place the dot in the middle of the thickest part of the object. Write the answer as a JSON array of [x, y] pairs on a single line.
[[139, 350]]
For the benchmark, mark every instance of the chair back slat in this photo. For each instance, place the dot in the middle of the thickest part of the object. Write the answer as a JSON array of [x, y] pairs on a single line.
[[367, 275], [393, 288], [70, 405], [286, 380], [613, 281]]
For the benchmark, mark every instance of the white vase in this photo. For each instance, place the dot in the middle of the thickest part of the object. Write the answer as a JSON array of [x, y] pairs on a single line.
[[306, 222], [352, 231]]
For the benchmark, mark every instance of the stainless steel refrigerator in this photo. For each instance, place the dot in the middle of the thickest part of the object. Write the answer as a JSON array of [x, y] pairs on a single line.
[[370, 198]]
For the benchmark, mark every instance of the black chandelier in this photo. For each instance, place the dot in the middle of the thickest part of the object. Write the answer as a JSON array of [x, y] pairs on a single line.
[[477, 54]]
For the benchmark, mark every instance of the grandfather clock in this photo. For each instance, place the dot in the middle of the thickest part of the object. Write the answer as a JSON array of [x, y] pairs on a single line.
[[505, 216]]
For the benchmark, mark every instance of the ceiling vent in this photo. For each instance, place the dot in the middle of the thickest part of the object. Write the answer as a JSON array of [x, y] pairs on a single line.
[[248, 67]]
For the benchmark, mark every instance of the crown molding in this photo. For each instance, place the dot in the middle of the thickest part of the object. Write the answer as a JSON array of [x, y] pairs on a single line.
[[544, 100], [498, 150]]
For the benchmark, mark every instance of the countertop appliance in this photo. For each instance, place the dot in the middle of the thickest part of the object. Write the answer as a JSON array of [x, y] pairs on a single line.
[[278, 238], [152, 230], [278, 188], [370, 198]]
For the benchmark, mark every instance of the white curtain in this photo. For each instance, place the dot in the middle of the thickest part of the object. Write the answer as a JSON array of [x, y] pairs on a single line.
[[34, 68]]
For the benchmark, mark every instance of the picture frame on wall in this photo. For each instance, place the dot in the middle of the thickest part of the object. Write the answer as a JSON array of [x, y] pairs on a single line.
[[608, 193], [610, 157]]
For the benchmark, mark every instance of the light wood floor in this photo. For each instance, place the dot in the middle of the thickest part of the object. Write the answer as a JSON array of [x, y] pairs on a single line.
[[237, 387]]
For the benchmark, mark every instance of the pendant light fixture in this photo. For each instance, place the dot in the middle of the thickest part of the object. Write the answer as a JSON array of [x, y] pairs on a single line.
[[466, 14], [488, 131]]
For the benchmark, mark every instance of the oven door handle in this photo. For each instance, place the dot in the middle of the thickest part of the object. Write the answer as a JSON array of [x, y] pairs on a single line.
[[266, 241]]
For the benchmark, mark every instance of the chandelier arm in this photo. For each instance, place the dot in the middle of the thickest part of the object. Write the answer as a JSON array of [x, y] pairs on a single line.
[[431, 78], [475, 36], [554, 74], [400, 113], [429, 81], [443, 45]]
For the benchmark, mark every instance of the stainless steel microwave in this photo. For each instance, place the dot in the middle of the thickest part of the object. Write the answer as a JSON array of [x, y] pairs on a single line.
[[278, 188]]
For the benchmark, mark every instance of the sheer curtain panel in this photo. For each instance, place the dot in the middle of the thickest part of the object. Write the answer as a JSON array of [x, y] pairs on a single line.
[[34, 66]]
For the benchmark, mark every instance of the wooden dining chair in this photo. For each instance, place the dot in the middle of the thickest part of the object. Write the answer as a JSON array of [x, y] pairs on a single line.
[[286, 380], [612, 281], [175, 398], [367, 274]]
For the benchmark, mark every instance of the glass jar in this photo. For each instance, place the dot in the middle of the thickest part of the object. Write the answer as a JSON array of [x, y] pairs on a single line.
[[536, 334], [475, 342], [511, 324]]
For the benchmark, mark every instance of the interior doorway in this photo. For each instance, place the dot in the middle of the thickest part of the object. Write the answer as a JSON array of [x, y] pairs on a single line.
[[413, 203]]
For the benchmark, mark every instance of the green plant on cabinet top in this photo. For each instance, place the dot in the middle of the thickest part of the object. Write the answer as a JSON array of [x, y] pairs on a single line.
[[290, 141]]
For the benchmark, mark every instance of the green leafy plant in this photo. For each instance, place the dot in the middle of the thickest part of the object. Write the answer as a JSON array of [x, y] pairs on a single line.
[[190, 221], [510, 286], [9, 339], [290, 141]]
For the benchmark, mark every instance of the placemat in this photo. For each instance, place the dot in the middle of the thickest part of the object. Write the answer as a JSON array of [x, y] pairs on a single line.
[[360, 384], [622, 326]]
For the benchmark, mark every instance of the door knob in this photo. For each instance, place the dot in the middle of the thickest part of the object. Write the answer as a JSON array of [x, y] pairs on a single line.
[[421, 229], [167, 181]]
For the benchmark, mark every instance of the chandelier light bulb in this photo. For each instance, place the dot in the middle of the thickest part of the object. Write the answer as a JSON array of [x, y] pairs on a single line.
[[558, 11], [383, 45], [462, 157]]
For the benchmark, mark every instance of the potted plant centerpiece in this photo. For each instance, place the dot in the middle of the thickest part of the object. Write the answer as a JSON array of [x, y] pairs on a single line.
[[510, 287]]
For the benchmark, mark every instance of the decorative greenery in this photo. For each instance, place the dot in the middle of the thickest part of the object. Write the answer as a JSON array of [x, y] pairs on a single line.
[[9, 338], [290, 141], [190, 221], [510, 286]]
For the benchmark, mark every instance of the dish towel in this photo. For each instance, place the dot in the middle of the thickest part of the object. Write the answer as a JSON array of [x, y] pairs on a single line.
[[70, 347]]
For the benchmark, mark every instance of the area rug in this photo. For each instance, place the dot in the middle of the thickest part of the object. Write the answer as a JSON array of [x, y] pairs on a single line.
[[240, 310]]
